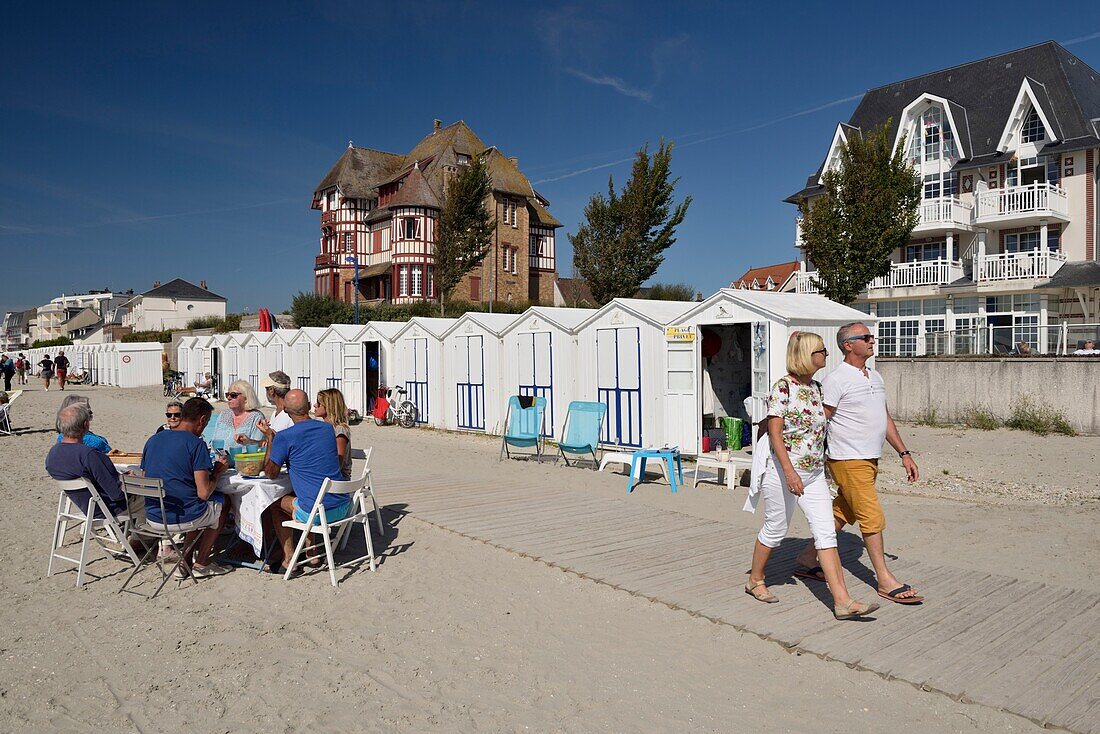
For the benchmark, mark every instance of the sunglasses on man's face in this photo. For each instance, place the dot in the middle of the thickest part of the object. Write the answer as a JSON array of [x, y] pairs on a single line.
[[232, 395], [171, 416], [866, 338]]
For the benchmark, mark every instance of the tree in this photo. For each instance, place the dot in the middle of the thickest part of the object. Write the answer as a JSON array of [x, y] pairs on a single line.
[[620, 245], [311, 309], [869, 208], [670, 292], [465, 229]]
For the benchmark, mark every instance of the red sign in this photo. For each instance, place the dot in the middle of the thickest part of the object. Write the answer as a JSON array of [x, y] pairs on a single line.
[[126, 359]]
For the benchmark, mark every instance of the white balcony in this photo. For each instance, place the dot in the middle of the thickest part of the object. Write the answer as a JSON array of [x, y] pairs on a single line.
[[902, 275], [945, 214], [1022, 205], [1040, 264]]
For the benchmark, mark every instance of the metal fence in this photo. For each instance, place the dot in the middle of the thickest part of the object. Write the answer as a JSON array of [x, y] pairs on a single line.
[[1061, 338]]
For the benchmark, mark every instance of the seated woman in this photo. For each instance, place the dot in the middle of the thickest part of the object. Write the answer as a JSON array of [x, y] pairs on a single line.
[[331, 408], [236, 424], [172, 413], [90, 439]]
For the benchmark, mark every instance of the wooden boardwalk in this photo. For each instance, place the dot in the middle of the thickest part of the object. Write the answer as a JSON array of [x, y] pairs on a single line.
[[1021, 646]]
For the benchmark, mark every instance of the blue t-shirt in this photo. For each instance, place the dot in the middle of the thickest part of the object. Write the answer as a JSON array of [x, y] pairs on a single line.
[[308, 448], [174, 457], [77, 461], [93, 441]]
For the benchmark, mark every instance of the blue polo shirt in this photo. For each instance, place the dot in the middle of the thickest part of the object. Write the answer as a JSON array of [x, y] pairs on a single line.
[[308, 448], [174, 457]]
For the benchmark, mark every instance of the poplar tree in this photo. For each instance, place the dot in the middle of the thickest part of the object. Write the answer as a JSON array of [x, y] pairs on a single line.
[[464, 232], [869, 208], [624, 236]]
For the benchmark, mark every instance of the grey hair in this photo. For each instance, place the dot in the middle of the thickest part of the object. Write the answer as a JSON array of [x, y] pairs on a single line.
[[174, 404], [845, 331], [72, 420], [73, 399]]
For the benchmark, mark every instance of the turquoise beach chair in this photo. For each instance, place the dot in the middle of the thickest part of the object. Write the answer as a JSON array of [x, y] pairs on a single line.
[[523, 428], [581, 434]]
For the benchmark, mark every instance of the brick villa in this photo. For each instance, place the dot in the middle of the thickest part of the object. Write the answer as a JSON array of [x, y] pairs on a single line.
[[382, 208]]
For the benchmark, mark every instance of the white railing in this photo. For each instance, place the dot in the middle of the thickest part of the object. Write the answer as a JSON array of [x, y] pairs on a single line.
[[902, 275], [1018, 265], [1035, 198], [804, 283], [947, 210]]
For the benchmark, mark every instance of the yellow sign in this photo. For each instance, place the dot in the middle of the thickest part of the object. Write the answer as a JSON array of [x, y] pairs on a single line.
[[679, 333]]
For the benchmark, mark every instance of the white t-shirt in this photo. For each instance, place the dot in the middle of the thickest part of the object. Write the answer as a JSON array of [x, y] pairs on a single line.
[[857, 429], [1086, 351], [280, 420]]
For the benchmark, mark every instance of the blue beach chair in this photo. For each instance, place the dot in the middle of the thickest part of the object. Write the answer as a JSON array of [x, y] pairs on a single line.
[[523, 428], [581, 434]]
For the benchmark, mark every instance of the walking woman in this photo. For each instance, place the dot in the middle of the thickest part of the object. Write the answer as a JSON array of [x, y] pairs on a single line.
[[331, 408], [794, 474], [46, 372]]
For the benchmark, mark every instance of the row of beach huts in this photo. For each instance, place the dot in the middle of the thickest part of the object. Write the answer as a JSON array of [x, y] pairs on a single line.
[[663, 368]]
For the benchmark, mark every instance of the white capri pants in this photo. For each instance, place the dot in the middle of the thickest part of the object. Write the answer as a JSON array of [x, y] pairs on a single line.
[[779, 504]]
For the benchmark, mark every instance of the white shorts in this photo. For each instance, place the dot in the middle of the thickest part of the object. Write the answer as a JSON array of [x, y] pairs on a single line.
[[208, 519]]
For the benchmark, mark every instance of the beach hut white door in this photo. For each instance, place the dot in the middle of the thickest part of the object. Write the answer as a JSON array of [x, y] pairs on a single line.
[[681, 397], [619, 384], [335, 360], [416, 351], [470, 382], [352, 368], [536, 372], [761, 377], [252, 358], [304, 365], [277, 357], [231, 366]]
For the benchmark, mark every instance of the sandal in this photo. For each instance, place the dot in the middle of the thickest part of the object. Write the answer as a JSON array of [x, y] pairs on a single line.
[[893, 595], [812, 573], [765, 596], [848, 613]]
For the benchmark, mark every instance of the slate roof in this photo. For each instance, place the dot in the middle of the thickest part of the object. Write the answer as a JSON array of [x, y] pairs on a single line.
[[1075, 274], [181, 290], [358, 171], [416, 191], [981, 95]]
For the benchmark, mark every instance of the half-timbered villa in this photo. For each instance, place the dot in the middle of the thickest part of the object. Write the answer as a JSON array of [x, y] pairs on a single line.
[[381, 209], [1007, 151]]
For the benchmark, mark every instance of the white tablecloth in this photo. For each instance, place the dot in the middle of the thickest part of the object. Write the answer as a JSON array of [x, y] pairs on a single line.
[[250, 497]]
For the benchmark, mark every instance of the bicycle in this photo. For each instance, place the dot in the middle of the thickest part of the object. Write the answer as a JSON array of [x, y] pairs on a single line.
[[404, 415], [173, 384]]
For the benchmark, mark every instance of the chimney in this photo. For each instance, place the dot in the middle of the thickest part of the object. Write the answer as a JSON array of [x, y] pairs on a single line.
[[515, 161], [436, 125], [202, 284], [156, 284]]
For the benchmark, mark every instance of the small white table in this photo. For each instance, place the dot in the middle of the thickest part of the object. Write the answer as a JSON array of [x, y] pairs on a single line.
[[250, 497], [728, 470]]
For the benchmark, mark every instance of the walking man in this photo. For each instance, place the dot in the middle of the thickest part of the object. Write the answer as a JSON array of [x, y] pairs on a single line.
[[22, 366], [855, 403], [61, 368]]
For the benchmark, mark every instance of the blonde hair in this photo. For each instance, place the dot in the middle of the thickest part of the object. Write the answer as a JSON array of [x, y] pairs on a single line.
[[251, 402], [336, 410], [800, 352]]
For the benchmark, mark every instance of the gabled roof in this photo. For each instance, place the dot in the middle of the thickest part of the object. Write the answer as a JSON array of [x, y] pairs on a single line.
[[434, 326], [539, 214], [181, 290], [787, 307], [345, 332], [388, 329], [778, 273], [566, 319], [310, 333], [986, 91], [494, 323], [357, 172], [657, 313]]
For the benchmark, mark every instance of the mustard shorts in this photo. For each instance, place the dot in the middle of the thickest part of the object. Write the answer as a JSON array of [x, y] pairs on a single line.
[[857, 501]]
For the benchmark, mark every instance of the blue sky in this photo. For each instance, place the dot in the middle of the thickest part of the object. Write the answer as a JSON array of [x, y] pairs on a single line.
[[142, 142]]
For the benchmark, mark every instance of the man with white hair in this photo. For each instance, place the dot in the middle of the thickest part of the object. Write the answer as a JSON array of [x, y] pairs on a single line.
[[277, 385], [71, 458]]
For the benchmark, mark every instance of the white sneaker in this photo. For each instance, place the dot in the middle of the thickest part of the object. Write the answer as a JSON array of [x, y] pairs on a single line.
[[211, 569]]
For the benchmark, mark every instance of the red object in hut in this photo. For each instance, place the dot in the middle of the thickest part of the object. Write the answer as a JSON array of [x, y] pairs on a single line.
[[712, 344]]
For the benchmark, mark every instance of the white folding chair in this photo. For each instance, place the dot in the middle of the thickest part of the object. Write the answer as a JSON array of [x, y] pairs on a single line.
[[139, 526], [360, 454], [5, 420], [69, 512], [357, 514]]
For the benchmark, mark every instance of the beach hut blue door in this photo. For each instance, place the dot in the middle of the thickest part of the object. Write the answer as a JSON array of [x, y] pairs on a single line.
[[470, 382], [536, 372], [619, 384], [417, 385]]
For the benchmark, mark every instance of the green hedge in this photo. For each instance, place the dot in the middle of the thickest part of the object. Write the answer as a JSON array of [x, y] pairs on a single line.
[[61, 341], [163, 337]]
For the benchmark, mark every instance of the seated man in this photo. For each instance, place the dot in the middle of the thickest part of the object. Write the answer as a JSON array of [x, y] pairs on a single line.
[[1088, 349], [91, 440], [71, 458], [181, 460], [308, 448]]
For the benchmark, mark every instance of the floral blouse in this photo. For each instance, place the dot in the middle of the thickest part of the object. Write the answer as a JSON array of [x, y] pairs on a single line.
[[802, 409]]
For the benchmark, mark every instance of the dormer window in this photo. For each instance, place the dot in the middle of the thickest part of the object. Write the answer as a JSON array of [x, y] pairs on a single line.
[[1032, 130], [462, 159]]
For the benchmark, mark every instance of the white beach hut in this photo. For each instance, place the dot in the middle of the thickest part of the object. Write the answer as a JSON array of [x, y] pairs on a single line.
[[622, 348], [139, 363], [541, 355], [474, 372], [186, 362], [304, 368], [744, 334], [378, 356], [274, 354], [340, 362], [419, 365]]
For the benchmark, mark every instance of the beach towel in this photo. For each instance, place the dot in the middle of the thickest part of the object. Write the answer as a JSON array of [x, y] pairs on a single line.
[[761, 458]]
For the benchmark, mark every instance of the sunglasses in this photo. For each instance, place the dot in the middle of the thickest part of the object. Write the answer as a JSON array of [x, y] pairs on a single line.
[[821, 351], [232, 395], [867, 338], [170, 416]]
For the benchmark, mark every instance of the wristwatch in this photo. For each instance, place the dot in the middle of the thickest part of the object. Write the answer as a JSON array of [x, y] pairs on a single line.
[[903, 454]]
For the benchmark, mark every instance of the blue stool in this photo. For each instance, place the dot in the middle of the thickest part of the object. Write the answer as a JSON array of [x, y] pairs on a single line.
[[670, 456]]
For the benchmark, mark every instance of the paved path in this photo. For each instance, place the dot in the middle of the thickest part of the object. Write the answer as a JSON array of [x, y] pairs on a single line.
[[1018, 645]]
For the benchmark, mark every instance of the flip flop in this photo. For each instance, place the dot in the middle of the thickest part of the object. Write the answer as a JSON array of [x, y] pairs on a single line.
[[893, 595], [805, 572]]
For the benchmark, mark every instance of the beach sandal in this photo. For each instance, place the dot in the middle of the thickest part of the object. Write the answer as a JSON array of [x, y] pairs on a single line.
[[813, 574], [893, 595], [765, 596], [845, 612]]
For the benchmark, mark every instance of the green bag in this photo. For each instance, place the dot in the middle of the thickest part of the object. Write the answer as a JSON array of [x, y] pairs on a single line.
[[732, 427]]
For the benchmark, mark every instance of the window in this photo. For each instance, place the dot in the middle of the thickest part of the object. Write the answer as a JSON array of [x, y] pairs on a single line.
[[475, 287], [926, 251], [930, 121], [909, 308], [965, 305], [509, 206], [537, 244], [403, 280], [1022, 242], [887, 338], [463, 159], [932, 186], [1033, 130], [330, 204], [431, 281], [504, 253], [887, 308], [907, 337], [932, 152], [348, 241], [417, 280], [515, 258], [410, 228]]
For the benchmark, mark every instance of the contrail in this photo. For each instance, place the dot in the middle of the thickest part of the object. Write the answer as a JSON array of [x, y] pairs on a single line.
[[136, 220], [712, 136], [1082, 39]]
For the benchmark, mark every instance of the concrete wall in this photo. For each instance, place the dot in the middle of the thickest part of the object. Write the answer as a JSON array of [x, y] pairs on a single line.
[[1069, 385]]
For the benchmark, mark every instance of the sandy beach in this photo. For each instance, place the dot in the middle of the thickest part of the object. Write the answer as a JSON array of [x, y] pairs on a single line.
[[454, 635]]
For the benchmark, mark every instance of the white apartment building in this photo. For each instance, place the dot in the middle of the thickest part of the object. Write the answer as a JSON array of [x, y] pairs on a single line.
[[50, 320], [172, 305], [1008, 152]]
